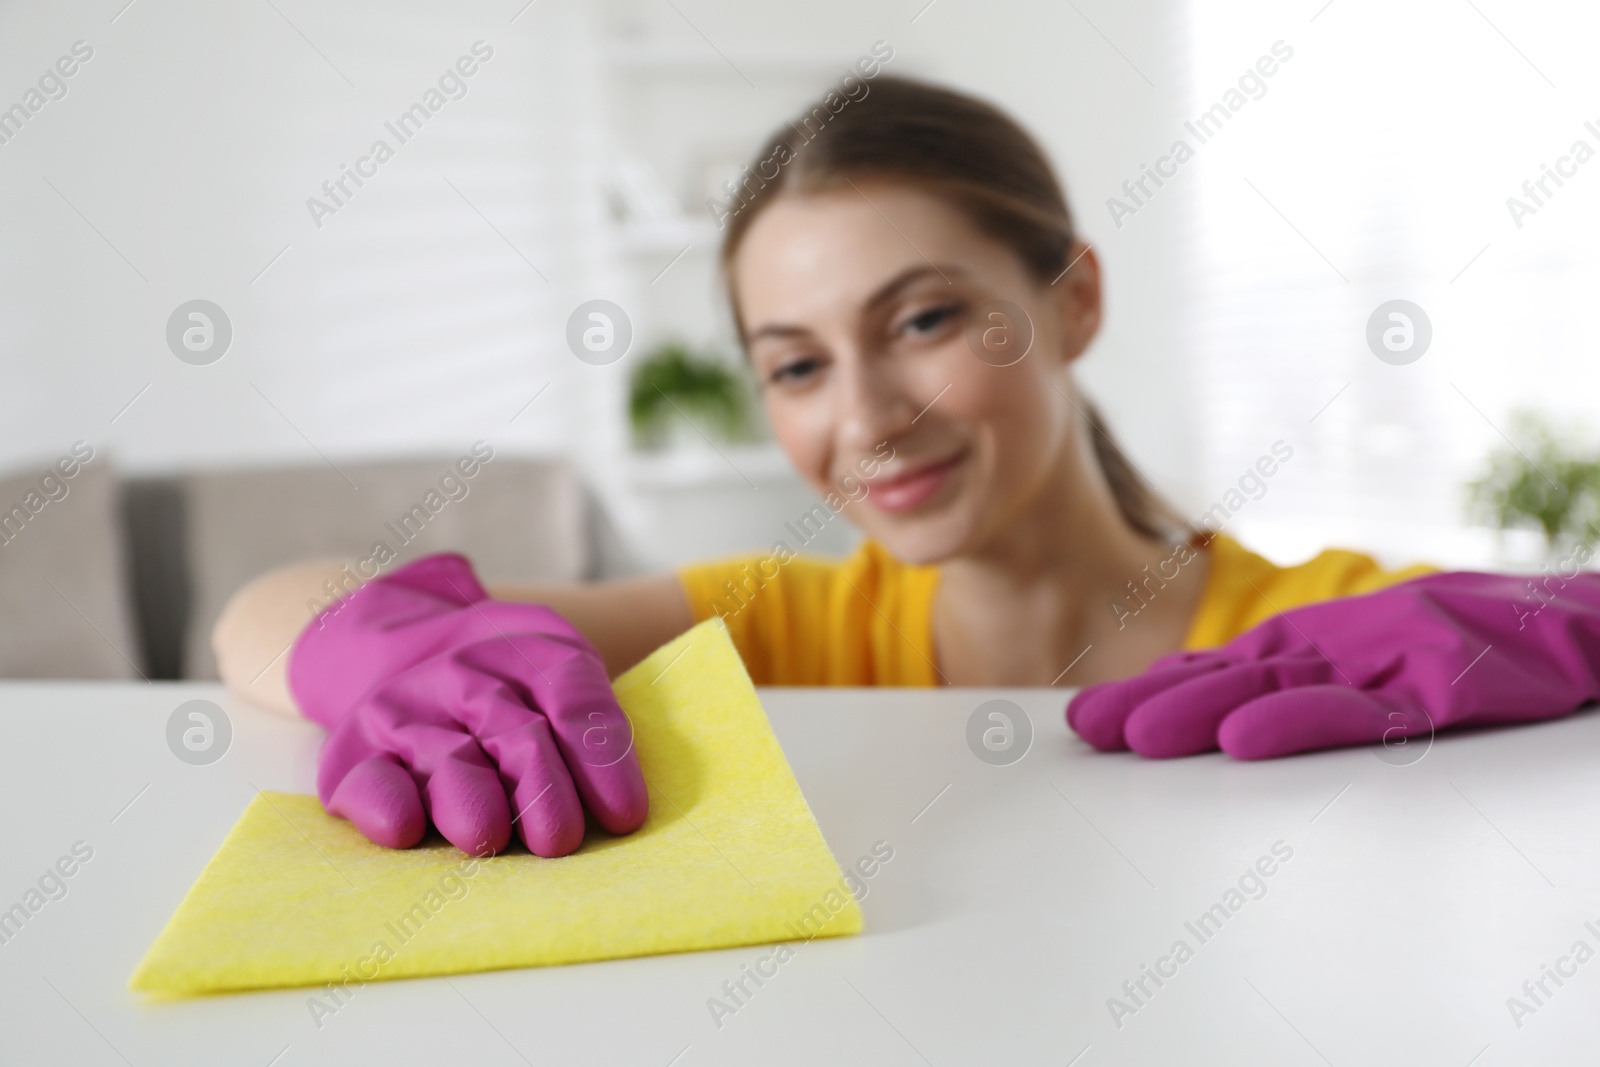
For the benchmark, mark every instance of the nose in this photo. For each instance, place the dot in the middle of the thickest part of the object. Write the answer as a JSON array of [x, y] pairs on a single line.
[[876, 404]]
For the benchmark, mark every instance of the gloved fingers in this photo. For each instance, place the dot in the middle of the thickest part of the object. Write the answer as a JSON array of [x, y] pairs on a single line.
[[1186, 656], [1183, 720], [344, 748], [1099, 713], [561, 682], [593, 733], [548, 813], [466, 798], [380, 797], [1320, 716]]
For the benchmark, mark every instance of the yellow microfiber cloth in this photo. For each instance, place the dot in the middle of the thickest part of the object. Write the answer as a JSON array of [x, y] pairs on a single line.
[[730, 855]]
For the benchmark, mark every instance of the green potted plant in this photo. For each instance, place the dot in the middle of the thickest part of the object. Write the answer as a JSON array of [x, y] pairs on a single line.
[[1551, 484], [676, 396]]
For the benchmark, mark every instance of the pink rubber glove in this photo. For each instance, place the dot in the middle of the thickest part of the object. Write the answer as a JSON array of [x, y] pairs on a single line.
[[444, 703], [1443, 650]]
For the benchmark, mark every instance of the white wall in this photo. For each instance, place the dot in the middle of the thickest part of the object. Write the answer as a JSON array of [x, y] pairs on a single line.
[[191, 142]]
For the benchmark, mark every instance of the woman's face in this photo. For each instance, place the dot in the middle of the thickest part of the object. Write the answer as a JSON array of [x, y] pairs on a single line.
[[865, 317]]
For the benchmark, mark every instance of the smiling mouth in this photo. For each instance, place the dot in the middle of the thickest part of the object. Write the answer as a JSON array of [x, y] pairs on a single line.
[[915, 487]]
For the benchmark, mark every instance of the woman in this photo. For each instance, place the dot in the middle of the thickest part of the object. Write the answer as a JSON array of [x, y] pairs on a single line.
[[912, 297]]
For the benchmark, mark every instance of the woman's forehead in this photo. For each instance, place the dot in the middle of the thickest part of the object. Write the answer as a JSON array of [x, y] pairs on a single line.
[[832, 251]]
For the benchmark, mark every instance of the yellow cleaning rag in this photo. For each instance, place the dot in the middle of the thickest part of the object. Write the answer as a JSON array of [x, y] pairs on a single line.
[[730, 855]]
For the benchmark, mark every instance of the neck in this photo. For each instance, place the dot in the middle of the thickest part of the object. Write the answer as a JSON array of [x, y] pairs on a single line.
[[1041, 589], [1073, 537]]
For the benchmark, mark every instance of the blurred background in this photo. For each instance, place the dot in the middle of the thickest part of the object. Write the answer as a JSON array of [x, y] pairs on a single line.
[[241, 365]]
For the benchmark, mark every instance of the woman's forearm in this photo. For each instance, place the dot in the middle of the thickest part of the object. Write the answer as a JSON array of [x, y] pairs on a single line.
[[625, 619]]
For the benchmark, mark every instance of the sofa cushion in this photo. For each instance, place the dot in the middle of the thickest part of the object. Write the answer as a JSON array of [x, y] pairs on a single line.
[[520, 521], [61, 576]]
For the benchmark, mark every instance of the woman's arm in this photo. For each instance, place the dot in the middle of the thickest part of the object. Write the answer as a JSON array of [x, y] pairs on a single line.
[[624, 620]]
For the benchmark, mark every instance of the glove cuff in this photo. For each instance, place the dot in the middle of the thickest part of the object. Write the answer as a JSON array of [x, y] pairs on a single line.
[[369, 635]]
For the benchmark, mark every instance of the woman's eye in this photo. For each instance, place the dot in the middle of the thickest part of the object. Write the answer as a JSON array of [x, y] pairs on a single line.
[[795, 370], [931, 320]]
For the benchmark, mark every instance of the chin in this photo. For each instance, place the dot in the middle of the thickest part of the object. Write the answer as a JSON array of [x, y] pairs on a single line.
[[923, 541]]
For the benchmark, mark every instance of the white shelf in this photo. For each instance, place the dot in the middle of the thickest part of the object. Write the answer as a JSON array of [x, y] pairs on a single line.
[[674, 470]]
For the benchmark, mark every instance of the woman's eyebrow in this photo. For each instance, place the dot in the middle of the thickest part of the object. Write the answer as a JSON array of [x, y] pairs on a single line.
[[881, 295], [777, 330], [911, 275]]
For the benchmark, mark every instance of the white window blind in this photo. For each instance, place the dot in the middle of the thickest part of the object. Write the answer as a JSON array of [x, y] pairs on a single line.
[[1377, 165]]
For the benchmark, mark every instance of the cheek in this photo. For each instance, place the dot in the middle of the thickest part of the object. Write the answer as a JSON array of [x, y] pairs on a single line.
[[803, 430], [1012, 413]]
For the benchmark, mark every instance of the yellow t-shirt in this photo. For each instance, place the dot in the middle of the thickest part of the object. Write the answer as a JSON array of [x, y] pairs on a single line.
[[868, 619]]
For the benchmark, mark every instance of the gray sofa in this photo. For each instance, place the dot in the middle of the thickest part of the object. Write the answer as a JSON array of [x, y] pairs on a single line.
[[123, 578]]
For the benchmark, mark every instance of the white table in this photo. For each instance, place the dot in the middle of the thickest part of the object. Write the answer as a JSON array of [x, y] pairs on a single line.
[[1418, 899]]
